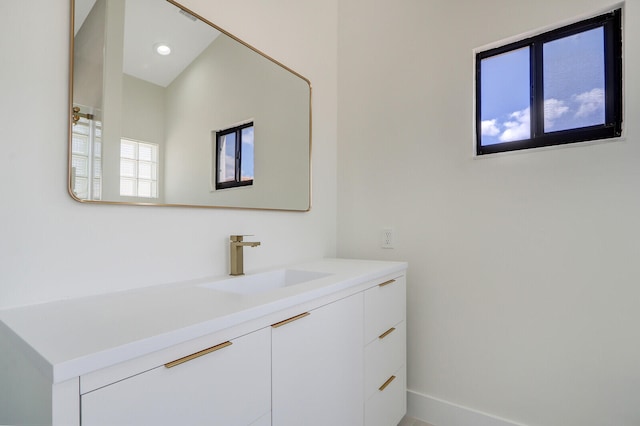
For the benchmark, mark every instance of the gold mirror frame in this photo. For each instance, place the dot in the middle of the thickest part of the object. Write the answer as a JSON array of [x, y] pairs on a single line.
[[76, 114]]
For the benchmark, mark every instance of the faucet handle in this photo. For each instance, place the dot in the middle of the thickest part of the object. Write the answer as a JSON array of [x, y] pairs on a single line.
[[238, 238]]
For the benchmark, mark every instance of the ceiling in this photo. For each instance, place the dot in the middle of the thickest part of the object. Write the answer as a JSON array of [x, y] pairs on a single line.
[[148, 22]]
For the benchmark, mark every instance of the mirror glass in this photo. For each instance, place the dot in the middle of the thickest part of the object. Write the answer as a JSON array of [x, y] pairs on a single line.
[[169, 109]]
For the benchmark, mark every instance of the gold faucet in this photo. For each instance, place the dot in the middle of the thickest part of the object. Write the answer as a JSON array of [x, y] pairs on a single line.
[[237, 259]]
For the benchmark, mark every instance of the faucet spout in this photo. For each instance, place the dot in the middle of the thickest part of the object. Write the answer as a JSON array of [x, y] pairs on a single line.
[[236, 244], [245, 244]]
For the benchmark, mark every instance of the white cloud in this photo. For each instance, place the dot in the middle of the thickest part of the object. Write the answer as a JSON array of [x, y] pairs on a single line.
[[489, 128], [553, 109], [519, 128], [590, 102]]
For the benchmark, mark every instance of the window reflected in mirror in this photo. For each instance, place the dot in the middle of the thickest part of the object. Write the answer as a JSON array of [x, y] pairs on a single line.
[[234, 156], [86, 158], [138, 169]]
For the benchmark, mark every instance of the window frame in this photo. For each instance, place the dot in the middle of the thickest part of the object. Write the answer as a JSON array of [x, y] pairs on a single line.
[[155, 164], [93, 158], [237, 182], [611, 22]]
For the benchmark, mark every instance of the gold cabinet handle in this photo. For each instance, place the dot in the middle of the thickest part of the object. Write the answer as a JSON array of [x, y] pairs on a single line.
[[197, 354], [386, 333], [292, 319], [387, 383], [386, 283]]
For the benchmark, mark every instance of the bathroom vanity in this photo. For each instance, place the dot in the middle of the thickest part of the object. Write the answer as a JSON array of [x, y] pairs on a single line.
[[316, 344]]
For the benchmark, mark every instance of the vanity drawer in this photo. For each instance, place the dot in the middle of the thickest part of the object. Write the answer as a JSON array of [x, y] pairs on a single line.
[[384, 306], [386, 407], [383, 357], [226, 384]]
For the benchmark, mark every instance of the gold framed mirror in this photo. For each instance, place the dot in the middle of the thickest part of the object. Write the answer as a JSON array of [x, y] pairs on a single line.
[[149, 128]]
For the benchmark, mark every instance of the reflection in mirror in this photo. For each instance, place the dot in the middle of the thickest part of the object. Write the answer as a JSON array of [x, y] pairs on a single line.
[[154, 90]]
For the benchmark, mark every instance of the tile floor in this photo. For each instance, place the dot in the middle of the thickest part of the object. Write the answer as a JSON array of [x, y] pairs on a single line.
[[410, 421]]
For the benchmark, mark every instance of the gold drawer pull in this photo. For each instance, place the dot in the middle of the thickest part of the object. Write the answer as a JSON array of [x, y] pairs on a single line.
[[197, 354], [387, 383], [386, 333], [386, 283], [292, 319]]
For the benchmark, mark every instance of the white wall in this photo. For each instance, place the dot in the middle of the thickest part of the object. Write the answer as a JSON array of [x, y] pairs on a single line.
[[143, 119], [523, 295], [88, 60], [52, 247]]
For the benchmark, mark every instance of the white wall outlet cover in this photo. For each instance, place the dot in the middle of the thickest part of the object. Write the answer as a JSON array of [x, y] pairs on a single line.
[[387, 238]]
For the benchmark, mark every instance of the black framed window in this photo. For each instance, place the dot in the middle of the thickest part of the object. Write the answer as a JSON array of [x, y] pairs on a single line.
[[559, 87], [234, 156]]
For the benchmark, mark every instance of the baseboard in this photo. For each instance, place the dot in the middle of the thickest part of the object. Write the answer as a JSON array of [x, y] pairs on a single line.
[[443, 413]]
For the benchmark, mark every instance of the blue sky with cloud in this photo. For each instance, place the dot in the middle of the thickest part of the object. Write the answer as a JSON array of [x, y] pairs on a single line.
[[247, 156], [573, 88]]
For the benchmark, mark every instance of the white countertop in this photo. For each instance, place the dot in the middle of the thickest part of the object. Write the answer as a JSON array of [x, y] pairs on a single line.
[[72, 337]]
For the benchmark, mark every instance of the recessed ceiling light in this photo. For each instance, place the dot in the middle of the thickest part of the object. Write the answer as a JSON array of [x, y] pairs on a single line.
[[162, 49]]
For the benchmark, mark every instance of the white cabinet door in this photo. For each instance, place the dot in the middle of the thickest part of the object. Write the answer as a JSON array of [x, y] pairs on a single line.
[[317, 367], [389, 404], [230, 386]]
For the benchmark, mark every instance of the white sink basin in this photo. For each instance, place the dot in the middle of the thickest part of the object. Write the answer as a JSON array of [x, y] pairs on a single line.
[[265, 281]]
